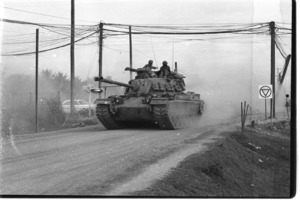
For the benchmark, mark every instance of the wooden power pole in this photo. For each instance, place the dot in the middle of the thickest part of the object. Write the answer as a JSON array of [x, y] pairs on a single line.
[[130, 52], [72, 61], [100, 53], [272, 33], [36, 79]]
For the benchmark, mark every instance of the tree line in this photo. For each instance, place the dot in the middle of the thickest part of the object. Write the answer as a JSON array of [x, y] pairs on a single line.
[[18, 100]]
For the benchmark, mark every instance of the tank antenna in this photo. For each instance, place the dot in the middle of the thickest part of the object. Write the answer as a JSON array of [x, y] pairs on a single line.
[[173, 54], [153, 51], [176, 70]]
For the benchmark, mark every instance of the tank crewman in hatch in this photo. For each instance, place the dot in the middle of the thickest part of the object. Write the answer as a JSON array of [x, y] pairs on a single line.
[[164, 70], [141, 72], [149, 66]]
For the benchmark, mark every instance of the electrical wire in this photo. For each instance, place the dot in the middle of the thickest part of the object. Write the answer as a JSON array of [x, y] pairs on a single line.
[[19, 10], [52, 34], [45, 50], [280, 48]]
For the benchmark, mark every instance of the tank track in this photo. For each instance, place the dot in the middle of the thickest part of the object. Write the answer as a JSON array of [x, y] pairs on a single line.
[[104, 116], [162, 118], [167, 121]]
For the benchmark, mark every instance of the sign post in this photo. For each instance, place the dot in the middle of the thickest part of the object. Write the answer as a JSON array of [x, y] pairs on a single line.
[[266, 116], [265, 92]]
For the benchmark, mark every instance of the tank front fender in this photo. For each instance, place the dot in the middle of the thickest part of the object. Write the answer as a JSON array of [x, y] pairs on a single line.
[[112, 106], [159, 101], [103, 101]]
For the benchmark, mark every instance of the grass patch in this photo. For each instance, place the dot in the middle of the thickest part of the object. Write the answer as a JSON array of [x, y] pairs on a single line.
[[254, 164]]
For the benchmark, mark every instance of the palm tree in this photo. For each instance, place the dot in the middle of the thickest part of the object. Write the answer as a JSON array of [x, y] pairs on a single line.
[[61, 83]]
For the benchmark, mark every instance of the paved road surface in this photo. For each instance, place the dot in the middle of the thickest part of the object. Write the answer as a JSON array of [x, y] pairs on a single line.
[[86, 161]]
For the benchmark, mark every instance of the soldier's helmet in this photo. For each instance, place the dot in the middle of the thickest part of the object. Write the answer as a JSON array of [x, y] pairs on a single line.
[[150, 61], [165, 63]]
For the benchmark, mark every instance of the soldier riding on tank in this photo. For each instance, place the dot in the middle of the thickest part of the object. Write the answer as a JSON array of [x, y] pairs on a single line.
[[145, 72], [164, 70], [149, 66], [141, 72]]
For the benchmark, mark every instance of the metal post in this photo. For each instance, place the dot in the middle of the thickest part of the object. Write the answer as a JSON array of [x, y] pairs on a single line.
[[90, 99], [130, 52], [173, 54], [266, 116], [176, 69], [242, 116], [36, 79], [100, 53], [272, 33], [72, 61]]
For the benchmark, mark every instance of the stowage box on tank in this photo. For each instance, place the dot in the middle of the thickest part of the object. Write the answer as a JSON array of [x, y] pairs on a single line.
[[159, 100]]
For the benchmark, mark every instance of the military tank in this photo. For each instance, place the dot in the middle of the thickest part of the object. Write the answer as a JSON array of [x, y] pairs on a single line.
[[150, 99]]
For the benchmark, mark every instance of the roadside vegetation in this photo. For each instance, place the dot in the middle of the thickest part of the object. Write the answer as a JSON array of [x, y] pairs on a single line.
[[18, 101], [253, 164]]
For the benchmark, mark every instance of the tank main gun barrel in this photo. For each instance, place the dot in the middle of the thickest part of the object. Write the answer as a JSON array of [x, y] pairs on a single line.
[[101, 79], [136, 70], [130, 69]]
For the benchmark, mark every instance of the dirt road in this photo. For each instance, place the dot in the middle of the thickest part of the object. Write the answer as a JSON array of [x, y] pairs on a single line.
[[93, 160]]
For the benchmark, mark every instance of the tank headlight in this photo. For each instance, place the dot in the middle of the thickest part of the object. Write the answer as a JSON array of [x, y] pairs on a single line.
[[147, 100], [118, 100]]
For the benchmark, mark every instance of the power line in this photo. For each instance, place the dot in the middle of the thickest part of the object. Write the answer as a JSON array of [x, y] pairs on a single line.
[[28, 53], [185, 25], [45, 14], [280, 48], [52, 39], [224, 31], [42, 24], [87, 31], [189, 27]]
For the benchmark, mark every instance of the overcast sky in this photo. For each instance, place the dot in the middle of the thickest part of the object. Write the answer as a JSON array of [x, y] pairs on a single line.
[[212, 66]]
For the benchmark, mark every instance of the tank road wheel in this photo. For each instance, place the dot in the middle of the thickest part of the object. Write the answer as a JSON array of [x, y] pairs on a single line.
[[160, 113], [104, 116]]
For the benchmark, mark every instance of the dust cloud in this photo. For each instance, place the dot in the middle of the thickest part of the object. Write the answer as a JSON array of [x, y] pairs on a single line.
[[227, 80]]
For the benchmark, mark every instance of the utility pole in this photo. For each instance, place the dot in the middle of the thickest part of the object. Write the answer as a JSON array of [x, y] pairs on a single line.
[[100, 53], [72, 61], [90, 99], [272, 33], [36, 79], [130, 52]]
